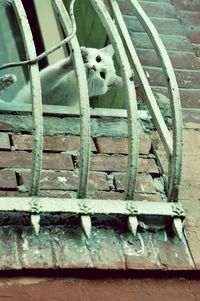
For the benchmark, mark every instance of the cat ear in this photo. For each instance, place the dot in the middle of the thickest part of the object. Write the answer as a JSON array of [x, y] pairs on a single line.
[[83, 50], [108, 49], [115, 83]]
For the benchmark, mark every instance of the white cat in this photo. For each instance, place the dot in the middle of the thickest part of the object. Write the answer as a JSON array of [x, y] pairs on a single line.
[[59, 84]]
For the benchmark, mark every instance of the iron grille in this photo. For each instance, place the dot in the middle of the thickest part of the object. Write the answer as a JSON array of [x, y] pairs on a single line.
[[128, 60]]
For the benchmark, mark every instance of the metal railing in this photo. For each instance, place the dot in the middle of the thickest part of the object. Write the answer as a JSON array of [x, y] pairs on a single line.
[[128, 60]]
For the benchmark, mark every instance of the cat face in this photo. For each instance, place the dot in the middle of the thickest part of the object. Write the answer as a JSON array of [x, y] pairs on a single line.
[[100, 70]]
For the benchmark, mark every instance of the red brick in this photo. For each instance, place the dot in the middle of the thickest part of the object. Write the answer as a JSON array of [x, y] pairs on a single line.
[[4, 141], [7, 179], [119, 163], [110, 145], [21, 159], [68, 180], [51, 143], [144, 183]]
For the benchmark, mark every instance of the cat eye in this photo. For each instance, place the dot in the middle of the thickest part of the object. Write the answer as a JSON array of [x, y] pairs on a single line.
[[98, 59], [103, 75]]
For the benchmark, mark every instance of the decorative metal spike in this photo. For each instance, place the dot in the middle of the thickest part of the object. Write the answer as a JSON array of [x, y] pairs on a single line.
[[35, 221], [133, 224], [178, 227], [86, 225]]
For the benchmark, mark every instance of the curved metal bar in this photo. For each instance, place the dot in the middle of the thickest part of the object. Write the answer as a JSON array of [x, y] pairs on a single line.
[[84, 100], [149, 96], [127, 74], [176, 159], [36, 96]]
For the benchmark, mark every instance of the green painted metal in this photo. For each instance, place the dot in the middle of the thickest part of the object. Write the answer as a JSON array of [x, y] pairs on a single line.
[[133, 141], [92, 207], [36, 95], [84, 99], [175, 160]]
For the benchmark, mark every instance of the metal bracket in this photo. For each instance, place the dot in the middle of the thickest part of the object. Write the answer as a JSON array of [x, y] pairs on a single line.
[[133, 224], [178, 227], [35, 217], [86, 225]]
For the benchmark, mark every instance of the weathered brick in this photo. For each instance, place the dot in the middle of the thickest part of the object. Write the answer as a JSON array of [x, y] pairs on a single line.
[[7, 179], [171, 42], [4, 126], [8, 249], [70, 249], [144, 183], [68, 180], [172, 27], [191, 5], [183, 60], [119, 163], [21, 159], [109, 145], [51, 143], [148, 197], [185, 78], [173, 254], [4, 141], [190, 18], [159, 151], [190, 98], [194, 35], [13, 193], [105, 249], [154, 9], [113, 195], [139, 251], [35, 251], [193, 234]]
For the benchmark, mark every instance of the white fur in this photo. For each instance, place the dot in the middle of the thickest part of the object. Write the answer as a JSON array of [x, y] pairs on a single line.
[[59, 84]]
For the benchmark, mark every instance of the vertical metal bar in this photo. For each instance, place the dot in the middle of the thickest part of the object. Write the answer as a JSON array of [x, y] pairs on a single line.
[[176, 159], [36, 97], [149, 96], [84, 100], [127, 73]]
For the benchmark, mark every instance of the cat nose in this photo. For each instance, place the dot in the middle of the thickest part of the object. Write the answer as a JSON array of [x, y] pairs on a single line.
[[94, 68]]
